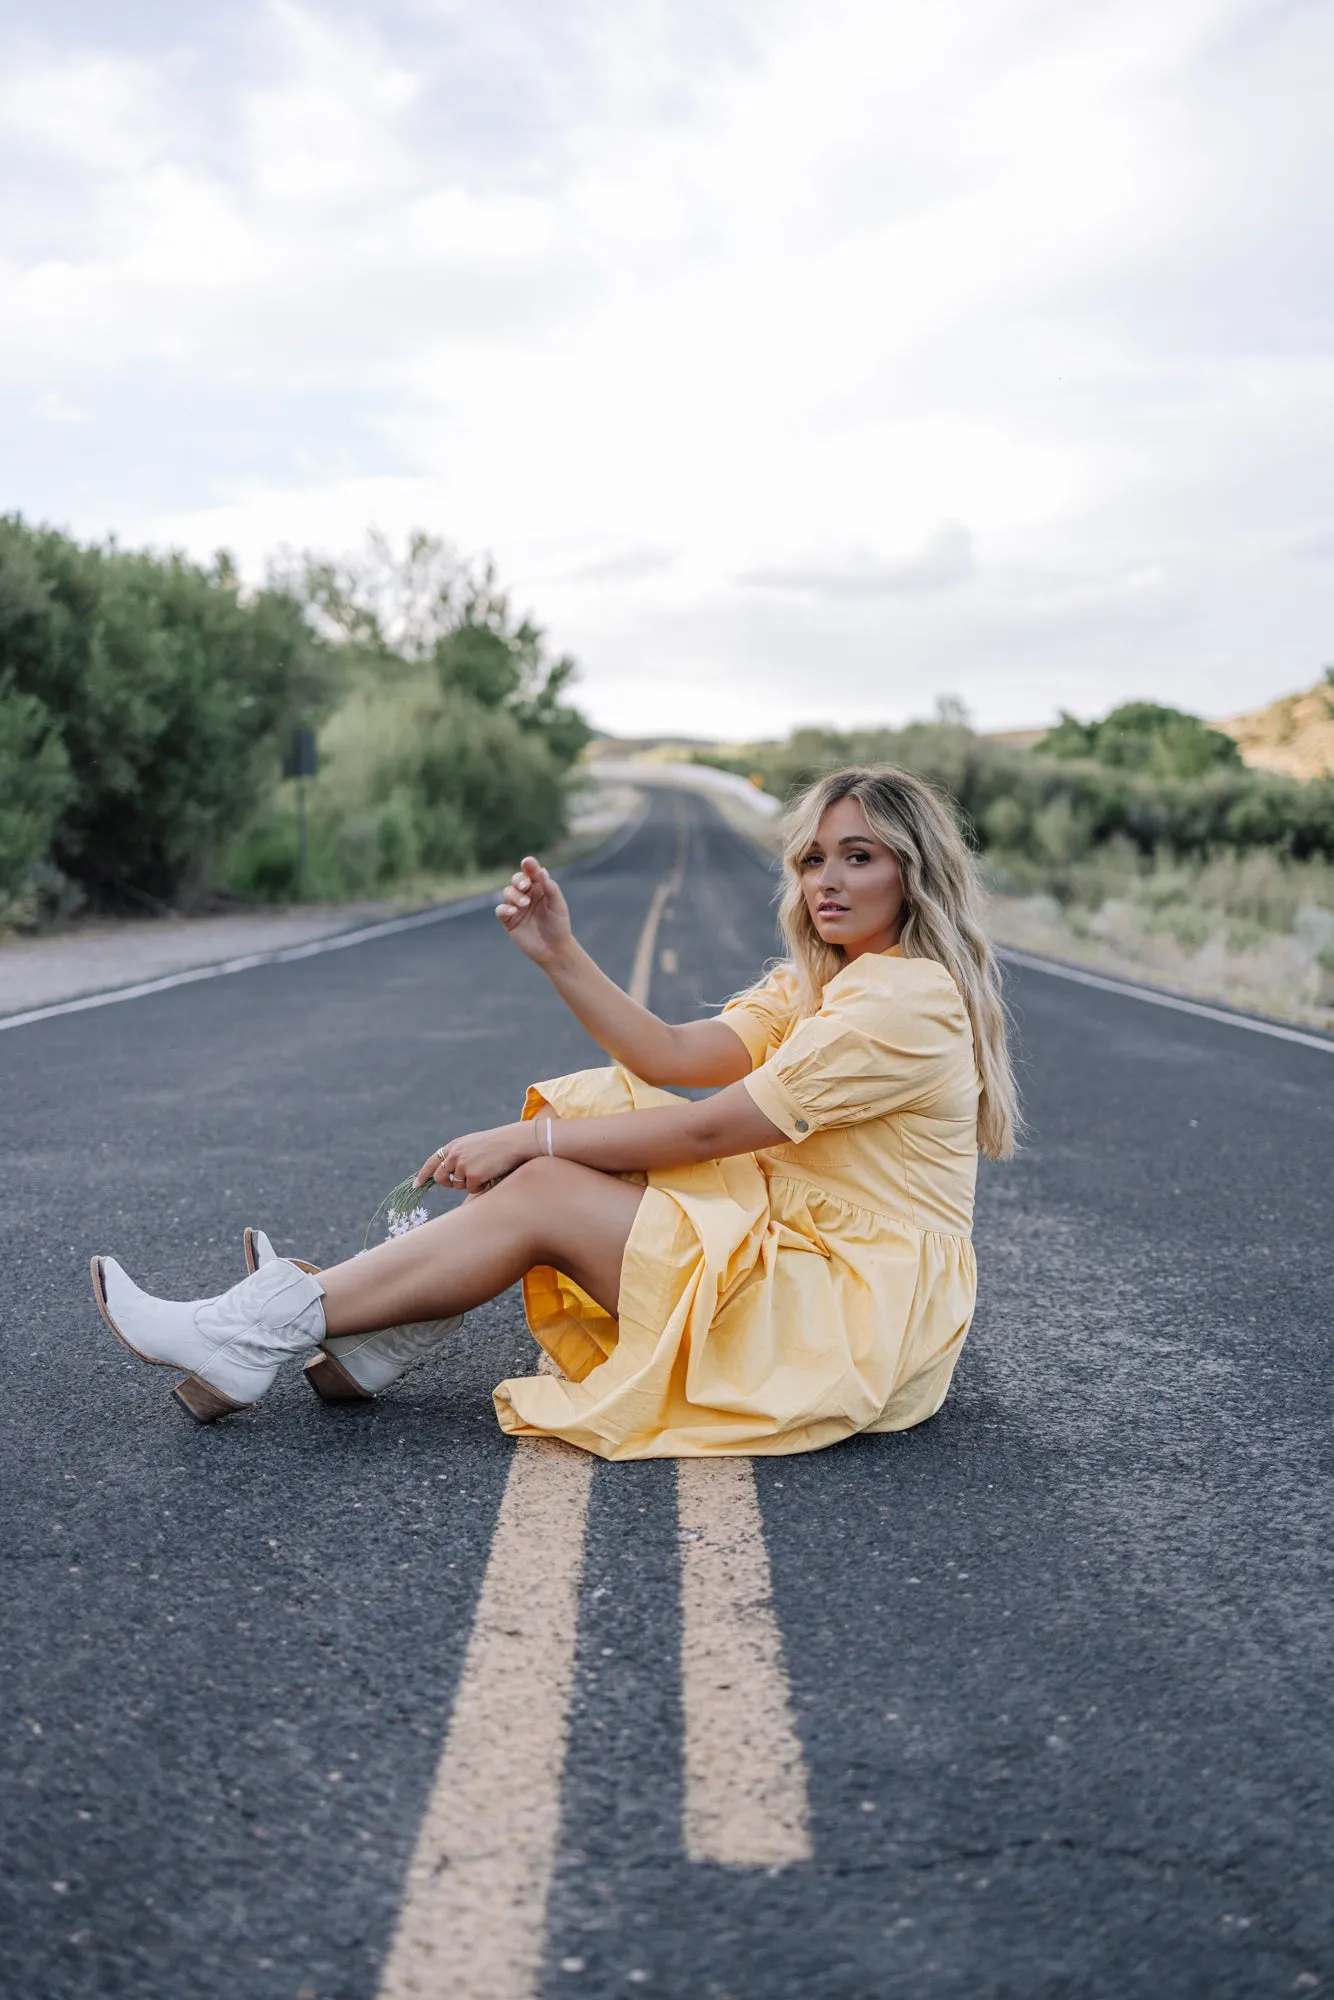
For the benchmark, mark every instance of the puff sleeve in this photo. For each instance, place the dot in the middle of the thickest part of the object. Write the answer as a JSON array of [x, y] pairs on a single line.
[[762, 1017], [891, 1033]]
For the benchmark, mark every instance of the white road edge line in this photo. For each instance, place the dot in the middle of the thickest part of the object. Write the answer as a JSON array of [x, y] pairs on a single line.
[[224, 968], [1106, 984], [745, 1778], [474, 1914], [314, 948]]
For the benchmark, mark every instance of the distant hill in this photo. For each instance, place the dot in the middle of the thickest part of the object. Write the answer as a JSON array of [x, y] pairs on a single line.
[[1019, 739], [653, 746], [1294, 735]]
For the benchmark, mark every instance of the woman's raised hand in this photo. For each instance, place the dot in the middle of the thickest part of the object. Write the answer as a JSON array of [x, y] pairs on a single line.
[[534, 912]]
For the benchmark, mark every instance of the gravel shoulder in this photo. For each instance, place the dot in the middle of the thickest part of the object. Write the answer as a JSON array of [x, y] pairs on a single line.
[[101, 954], [98, 954]]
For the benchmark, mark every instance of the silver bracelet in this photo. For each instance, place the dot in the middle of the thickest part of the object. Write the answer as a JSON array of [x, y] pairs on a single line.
[[551, 1148]]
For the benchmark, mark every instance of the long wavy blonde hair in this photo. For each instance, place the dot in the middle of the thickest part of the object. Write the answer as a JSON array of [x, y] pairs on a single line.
[[941, 918]]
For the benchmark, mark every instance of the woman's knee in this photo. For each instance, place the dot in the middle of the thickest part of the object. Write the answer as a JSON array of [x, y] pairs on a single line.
[[549, 1195], [565, 1205], [545, 1179], [576, 1219]]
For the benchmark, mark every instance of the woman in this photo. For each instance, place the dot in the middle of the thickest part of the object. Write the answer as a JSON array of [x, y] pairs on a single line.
[[768, 1269]]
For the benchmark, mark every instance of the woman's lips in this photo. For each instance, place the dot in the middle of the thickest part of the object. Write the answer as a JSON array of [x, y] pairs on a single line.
[[832, 909]]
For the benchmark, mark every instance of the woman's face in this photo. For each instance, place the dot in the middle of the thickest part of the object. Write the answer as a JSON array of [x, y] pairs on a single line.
[[851, 883]]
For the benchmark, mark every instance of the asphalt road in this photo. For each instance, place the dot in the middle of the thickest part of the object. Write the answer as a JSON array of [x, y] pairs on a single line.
[[1060, 1659]]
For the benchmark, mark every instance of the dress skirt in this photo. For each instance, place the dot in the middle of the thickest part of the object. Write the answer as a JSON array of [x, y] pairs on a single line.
[[758, 1312]]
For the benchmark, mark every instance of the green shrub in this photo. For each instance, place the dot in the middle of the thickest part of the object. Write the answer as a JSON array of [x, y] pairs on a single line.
[[394, 611], [169, 690], [451, 747], [413, 781], [35, 788], [146, 701], [265, 862], [1146, 736], [1025, 806]]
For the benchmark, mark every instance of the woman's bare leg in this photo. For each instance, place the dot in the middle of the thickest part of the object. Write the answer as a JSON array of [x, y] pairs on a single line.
[[545, 1212]]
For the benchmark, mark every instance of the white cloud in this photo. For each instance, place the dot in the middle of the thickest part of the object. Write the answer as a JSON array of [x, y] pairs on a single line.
[[85, 109], [666, 304], [944, 561], [53, 408]]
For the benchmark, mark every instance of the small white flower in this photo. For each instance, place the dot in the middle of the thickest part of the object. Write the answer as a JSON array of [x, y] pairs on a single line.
[[401, 1210], [403, 1224]]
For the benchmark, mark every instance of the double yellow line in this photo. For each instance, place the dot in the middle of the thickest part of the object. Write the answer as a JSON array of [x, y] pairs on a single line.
[[472, 1925]]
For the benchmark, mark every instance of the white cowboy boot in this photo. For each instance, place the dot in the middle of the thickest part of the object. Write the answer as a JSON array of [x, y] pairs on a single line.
[[232, 1345], [354, 1367], [259, 1250]]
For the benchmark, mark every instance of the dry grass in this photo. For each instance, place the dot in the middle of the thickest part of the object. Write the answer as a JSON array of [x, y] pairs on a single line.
[[1294, 735], [1251, 929]]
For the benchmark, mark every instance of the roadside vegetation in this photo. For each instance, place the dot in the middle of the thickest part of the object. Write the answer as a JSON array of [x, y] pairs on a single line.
[[1141, 841], [146, 703]]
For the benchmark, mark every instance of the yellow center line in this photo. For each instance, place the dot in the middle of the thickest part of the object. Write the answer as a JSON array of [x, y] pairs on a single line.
[[641, 975], [472, 1925], [745, 1778], [473, 1921]]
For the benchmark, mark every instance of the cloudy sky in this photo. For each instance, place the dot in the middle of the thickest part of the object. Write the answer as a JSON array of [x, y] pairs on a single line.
[[797, 360]]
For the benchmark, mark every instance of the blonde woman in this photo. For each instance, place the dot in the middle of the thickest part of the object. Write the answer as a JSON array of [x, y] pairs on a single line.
[[769, 1269]]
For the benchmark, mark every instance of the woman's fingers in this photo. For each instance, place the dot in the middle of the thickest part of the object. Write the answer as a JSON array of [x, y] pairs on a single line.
[[452, 1171], [529, 889]]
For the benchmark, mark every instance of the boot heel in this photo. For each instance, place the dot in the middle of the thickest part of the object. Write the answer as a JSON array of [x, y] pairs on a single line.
[[205, 1403], [331, 1381]]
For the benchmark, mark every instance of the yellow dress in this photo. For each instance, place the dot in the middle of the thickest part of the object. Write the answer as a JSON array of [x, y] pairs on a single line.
[[781, 1300]]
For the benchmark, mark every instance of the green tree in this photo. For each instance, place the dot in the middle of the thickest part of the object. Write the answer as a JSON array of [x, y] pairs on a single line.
[[1146, 736], [169, 690], [35, 787], [394, 608], [451, 746]]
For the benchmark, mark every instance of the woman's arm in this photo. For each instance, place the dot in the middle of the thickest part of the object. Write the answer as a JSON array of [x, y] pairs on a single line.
[[700, 1053], [629, 1142]]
